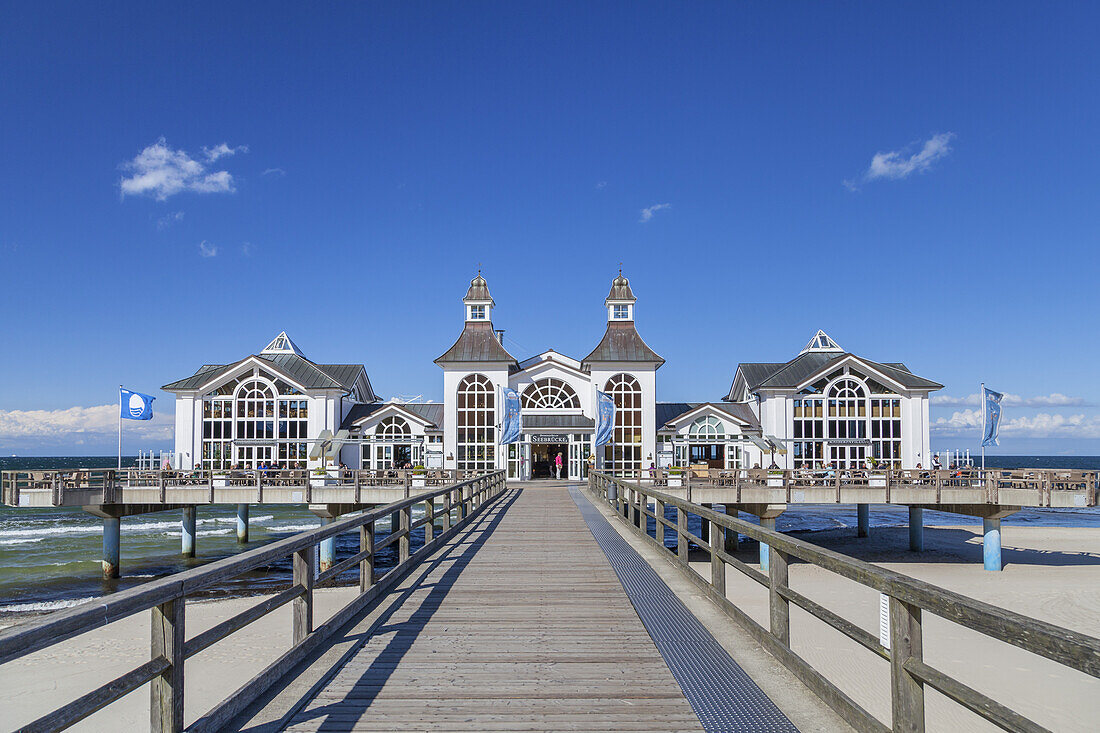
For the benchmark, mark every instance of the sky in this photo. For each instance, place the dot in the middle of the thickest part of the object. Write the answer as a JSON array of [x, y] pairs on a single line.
[[180, 184]]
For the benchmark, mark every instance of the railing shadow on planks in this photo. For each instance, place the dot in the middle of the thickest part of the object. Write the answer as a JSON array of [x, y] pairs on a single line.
[[907, 596], [166, 598]]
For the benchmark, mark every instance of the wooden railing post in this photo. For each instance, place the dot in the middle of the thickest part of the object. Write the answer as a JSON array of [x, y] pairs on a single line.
[[305, 563], [659, 510], [446, 511], [429, 515], [366, 567], [166, 689], [717, 565], [779, 610], [403, 541], [681, 540], [907, 692]]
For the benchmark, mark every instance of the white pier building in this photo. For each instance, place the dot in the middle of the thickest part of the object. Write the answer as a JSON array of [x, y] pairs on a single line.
[[822, 406]]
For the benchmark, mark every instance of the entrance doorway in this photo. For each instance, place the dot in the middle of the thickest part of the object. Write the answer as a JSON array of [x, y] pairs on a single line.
[[542, 459], [848, 456]]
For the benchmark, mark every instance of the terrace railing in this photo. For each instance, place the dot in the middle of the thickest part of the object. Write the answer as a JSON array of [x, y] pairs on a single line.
[[908, 598], [453, 506]]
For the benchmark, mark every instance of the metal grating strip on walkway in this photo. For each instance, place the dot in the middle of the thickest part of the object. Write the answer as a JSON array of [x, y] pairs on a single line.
[[722, 694]]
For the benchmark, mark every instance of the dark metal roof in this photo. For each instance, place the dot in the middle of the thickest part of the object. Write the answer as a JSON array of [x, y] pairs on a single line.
[[430, 412], [537, 422], [477, 342], [796, 371], [479, 290], [301, 370], [668, 412], [620, 289], [621, 342]]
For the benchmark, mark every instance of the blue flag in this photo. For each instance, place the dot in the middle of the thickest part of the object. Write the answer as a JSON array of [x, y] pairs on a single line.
[[605, 411], [135, 405], [513, 423], [992, 416]]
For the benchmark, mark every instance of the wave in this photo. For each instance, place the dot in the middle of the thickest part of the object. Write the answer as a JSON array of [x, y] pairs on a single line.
[[44, 605], [20, 541]]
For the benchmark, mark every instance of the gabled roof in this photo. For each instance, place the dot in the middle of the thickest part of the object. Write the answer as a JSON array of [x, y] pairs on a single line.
[[478, 342], [431, 412], [301, 370], [621, 342], [809, 364], [671, 412]]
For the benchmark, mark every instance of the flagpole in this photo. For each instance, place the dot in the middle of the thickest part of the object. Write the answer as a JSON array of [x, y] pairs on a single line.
[[120, 427], [983, 426]]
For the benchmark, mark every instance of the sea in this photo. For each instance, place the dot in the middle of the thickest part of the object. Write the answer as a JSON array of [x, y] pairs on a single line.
[[50, 558]]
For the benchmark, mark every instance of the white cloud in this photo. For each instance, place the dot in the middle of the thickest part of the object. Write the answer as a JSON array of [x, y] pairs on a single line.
[[600, 185], [649, 211], [273, 172], [246, 249], [169, 219], [898, 164], [221, 150], [1042, 425], [81, 421], [161, 172], [1054, 399], [207, 250]]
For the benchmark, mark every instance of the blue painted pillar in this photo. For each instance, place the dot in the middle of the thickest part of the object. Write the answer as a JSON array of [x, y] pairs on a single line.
[[187, 535], [328, 548], [863, 520], [766, 523], [112, 535], [916, 529], [991, 543], [242, 523]]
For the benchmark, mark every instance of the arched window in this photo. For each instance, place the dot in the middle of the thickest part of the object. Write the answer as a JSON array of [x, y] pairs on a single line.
[[551, 394], [476, 424], [393, 427], [254, 408], [706, 430], [624, 452]]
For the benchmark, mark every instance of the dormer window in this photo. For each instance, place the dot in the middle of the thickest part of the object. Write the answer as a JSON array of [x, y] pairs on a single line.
[[477, 313], [620, 312]]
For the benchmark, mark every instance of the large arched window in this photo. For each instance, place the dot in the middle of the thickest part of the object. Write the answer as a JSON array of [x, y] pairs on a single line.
[[707, 429], [393, 427], [253, 420], [624, 452], [847, 410], [476, 421], [550, 394]]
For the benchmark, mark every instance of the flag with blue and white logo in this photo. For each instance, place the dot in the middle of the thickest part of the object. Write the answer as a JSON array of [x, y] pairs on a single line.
[[605, 411], [992, 417], [135, 405], [513, 423]]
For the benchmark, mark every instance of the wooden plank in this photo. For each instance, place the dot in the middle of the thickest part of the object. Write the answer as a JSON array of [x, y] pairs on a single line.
[[166, 690]]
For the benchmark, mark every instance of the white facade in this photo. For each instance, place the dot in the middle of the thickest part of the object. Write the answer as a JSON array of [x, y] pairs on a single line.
[[824, 406]]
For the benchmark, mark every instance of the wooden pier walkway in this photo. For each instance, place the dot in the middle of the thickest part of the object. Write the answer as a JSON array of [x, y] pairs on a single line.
[[521, 625]]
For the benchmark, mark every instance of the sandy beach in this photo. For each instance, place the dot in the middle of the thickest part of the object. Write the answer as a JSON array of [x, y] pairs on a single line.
[[1050, 573]]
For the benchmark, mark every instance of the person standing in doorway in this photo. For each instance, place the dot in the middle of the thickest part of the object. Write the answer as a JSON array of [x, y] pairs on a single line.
[[557, 465]]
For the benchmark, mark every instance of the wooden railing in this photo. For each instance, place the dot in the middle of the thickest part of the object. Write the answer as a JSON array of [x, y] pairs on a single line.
[[908, 598], [109, 480], [989, 482], [166, 598]]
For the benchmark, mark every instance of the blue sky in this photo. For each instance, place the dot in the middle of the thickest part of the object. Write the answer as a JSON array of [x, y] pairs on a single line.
[[177, 185]]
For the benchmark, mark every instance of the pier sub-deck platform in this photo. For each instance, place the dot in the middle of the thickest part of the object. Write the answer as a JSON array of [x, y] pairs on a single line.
[[521, 623]]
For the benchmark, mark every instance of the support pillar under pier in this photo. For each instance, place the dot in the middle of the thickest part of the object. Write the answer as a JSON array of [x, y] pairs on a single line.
[[733, 539], [328, 548], [112, 536], [863, 520], [991, 543], [242, 523], [916, 529], [187, 534], [765, 551]]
